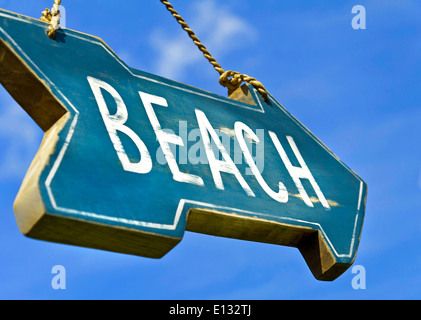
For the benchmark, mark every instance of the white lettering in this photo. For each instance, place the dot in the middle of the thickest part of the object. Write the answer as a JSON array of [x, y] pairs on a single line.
[[180, 310], [164, 138], [217, 166], [282, 195], [115, 123], [167, 139], [298, 173]]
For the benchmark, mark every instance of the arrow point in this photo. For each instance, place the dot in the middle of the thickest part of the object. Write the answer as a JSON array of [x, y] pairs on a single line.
[[320, 259]]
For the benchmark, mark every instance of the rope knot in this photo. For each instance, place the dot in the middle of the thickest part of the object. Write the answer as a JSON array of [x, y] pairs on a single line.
[[52, 17], [233, 80]]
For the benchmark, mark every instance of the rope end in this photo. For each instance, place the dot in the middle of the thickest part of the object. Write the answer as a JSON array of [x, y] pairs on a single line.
[[52, 17]]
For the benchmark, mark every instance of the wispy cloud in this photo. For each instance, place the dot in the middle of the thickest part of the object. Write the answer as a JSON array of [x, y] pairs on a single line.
[[221, 31]]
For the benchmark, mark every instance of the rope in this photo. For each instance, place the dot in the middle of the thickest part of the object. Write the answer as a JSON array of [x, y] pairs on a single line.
[[229, 79], [52, 18]]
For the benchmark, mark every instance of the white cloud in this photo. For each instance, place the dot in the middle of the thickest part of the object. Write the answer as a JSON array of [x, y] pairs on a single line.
[[19, 140], [219, 29]]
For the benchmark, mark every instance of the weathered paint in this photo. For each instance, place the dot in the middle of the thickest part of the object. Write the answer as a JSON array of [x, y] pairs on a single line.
[[96, 182]]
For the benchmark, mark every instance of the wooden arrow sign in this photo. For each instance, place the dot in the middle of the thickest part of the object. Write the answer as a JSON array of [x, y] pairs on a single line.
[[130, 160]]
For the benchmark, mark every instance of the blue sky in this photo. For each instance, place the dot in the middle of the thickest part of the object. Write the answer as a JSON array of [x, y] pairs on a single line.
[[357, 90]]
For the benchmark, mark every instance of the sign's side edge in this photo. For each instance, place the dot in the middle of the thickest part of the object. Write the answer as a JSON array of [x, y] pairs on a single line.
[[16, 76]]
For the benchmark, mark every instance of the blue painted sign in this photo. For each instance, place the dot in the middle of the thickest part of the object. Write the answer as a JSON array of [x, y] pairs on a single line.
[[131, 160]]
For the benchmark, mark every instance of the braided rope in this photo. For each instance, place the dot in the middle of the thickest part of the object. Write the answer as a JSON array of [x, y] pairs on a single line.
[[193, 36], [52, 17], [229, 79]]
